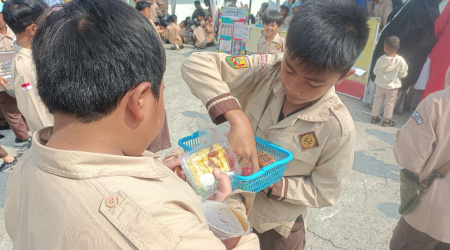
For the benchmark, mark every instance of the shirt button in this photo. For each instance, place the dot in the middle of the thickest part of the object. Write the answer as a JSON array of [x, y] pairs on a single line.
[[111, 201], [337, 107], [266, 136]]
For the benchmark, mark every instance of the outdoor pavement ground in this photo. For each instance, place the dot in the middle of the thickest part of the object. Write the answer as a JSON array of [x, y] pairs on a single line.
[[362, 218]]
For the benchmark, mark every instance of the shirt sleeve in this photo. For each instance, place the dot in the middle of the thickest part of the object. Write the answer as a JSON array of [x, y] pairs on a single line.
[[327, 179], [217, 78], [403, 72], [376, 69], [417, 139]]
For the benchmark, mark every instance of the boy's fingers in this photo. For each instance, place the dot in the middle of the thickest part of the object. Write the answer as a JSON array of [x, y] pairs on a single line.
[[224, 182], [243, 161], [254, 163], [172, 162]]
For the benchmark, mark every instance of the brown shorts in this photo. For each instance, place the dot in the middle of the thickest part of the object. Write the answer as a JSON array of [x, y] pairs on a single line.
[[408, 238], [272, 240]]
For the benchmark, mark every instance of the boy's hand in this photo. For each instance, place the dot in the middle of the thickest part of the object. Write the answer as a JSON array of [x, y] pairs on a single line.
[[242, 139], [174, 164], [3, 82], [224, 185]]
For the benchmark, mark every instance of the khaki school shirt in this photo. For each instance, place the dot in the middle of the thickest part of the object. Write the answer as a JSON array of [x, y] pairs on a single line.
[[173, 32], [7, 41], [28, 100], [59, 199], [286, 22], [199, 35], [277, 45], [7, 44], [422, 147], [321, 137], [209, 29]]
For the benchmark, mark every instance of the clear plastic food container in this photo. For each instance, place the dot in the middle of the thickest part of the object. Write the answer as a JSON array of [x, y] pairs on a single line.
[[199, 165]]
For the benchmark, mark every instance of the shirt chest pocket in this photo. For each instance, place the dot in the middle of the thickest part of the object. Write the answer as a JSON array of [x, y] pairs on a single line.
[[139, 227]]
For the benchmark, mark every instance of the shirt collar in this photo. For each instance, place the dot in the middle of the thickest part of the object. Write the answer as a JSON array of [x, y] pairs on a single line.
[[86, 165], [23, 51], [320, 110], [9, 33]]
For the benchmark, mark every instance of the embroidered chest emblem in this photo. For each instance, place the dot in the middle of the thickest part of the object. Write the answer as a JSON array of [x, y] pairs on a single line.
[[238, 62], [278, 47], [308, 140]]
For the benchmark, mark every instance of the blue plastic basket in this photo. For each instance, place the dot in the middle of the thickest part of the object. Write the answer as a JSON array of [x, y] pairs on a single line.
[[261, 179]]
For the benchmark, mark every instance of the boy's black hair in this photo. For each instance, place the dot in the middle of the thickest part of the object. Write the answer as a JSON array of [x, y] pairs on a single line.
[[197, 23], [196, 2], [172, 18], [252, 19], [201, 13], [206, 1], [285, 7], [90, 53], [392, 43], [141, 5], [19, 14], [327, 35], [265, 5], [270, 16]]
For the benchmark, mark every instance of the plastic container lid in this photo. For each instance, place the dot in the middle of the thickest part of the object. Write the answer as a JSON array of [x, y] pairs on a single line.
[[224, 221]]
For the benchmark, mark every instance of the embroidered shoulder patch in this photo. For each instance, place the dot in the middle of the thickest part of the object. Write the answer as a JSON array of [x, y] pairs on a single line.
[[238, 62], [308, 140], [278, 47], [416, 116], [263, 60]]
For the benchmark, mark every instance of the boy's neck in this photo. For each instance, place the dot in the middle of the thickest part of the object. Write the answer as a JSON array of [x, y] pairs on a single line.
[[289, 108], [4, 29], [94, 137], [24, 40], [270, 39]]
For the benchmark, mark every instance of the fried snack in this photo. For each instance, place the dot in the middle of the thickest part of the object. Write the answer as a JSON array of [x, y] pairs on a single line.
[[205, 160], [264, 159]]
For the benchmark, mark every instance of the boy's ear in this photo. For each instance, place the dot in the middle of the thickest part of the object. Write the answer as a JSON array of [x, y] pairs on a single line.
[[136, 100], [349, 73], [31, 29]]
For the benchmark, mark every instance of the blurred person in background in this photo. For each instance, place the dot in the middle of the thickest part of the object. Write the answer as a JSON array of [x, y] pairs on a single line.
[[380, 9]]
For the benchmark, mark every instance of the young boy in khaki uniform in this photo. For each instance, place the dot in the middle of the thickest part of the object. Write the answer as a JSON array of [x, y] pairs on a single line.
[[174, 33], [423, 147], [271, 42], [8, 104], [87, 182], [21, 17], [290, 100], [199, 36]]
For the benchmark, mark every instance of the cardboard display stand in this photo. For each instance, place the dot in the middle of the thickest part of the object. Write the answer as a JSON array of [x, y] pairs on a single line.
[[233, 31]]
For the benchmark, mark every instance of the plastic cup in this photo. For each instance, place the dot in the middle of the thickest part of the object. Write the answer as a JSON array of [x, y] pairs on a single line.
[[224, 221]]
